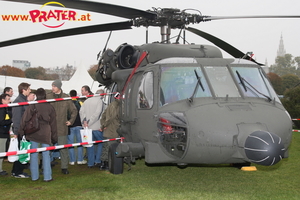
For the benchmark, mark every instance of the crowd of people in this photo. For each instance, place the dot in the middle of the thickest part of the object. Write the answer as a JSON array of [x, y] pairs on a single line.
[[60, 123]]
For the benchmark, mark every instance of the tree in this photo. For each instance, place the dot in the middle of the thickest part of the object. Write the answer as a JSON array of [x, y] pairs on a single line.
[[52, 76], [67, 72], [297, 61], [276, 82], [39, 73], [291, 102], [35, 73], [284, 65], [11, 71], [289, 81], [92, 71]]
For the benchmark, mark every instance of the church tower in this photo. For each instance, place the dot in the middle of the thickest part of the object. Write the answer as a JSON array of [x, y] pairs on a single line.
[[281, 50]]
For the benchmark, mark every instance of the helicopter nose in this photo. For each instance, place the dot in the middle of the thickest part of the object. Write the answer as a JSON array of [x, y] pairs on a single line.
[[264, 148]]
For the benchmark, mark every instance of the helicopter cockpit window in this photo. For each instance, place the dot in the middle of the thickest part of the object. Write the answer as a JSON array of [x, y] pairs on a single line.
[[221, 81], [145, 95], [178, 83], [253, 83]]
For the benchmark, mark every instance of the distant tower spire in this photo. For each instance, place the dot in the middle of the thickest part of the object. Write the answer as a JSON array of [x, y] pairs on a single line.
[[266, 63], [281, 50]]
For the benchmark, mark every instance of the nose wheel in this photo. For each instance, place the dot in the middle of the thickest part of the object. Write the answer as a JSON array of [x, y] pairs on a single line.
[[240, 165]]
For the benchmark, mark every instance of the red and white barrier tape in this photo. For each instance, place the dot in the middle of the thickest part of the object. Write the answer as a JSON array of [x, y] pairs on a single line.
[[50, 100], [294, 129], [12, 153]]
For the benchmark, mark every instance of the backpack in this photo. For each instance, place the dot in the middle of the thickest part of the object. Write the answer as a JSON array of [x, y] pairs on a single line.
[[33, 124]]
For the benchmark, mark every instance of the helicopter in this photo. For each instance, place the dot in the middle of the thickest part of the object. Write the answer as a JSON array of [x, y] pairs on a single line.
[[184, 104]]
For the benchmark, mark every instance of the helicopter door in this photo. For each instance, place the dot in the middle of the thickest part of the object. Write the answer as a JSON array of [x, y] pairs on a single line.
[[127, 112], [144, 106]]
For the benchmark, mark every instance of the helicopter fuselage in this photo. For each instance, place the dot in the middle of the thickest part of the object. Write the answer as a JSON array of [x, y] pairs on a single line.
[[202, 111]]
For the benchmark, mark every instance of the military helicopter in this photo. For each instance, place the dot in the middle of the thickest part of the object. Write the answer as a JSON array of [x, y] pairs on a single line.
[[184, 103]]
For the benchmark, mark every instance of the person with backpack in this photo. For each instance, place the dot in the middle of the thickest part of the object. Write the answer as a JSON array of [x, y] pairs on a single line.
[[45, 136]]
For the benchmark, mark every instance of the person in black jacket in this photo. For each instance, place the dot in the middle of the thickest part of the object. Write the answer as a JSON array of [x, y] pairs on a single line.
[[17, 113], [5, 123], [10, 92], [74, 133]]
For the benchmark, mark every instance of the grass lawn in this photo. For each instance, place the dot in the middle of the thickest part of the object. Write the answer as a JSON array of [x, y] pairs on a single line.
[[281, 181]]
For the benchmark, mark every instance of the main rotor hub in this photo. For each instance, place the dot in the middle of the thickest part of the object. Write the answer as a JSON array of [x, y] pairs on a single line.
[[171, 17]]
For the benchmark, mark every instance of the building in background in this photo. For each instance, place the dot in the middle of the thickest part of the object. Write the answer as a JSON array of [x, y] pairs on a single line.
[[21, 64], [64, 73], [281, 50]]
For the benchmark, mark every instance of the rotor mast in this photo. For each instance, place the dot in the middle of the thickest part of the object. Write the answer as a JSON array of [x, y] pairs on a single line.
[[165, 32]]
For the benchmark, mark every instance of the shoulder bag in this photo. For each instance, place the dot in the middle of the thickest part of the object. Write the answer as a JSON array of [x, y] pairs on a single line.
[[32, 125]]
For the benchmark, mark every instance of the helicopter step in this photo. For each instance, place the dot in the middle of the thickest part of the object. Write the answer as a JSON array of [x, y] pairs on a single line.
[[130, 149]]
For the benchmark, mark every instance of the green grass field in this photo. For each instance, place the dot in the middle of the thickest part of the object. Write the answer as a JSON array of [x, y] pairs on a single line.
[[281, 181]]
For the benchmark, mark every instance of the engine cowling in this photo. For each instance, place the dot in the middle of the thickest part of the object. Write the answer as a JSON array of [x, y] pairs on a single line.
[[124, 57]]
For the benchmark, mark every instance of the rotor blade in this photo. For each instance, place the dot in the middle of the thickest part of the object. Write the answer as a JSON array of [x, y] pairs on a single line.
[[221, 44], [209, 18], [110, 9], [69, 32]]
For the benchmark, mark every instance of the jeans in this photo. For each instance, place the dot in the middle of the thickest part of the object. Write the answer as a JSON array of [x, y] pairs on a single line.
[[75, 133], [34, 163], [2, 149], [54, 154], [94, 155]]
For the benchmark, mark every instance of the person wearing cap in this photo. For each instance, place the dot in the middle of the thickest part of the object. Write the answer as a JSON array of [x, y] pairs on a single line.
[[110, 122], [62, 108]]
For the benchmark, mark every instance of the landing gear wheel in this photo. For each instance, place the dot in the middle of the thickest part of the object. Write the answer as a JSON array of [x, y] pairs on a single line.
[[240, 165], [182, 166], [115, 164]]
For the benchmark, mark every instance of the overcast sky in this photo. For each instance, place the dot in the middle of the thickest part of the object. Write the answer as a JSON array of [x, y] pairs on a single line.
[[261, 36]]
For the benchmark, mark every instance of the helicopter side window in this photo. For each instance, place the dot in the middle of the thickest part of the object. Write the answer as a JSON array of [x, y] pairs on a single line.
[[145, 92]]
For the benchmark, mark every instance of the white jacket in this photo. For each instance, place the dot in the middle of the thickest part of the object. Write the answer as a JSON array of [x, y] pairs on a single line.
[[91, 111]]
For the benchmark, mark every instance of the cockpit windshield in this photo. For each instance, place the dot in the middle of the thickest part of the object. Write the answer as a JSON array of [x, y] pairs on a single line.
[[178, 83], [253, 83], [221, 81]]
